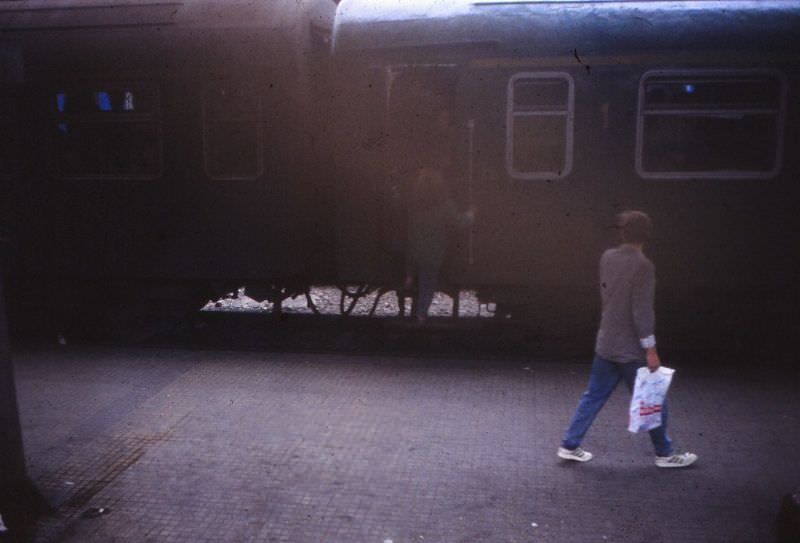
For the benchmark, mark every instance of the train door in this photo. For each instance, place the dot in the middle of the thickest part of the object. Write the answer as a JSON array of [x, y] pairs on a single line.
[[528, 240], [480, 103], [403, 121], [424, 131]]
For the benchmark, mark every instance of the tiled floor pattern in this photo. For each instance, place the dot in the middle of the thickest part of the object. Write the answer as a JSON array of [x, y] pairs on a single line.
[[211, 446]]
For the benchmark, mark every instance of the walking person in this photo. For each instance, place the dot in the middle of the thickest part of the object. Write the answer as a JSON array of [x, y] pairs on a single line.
[[625, 339]]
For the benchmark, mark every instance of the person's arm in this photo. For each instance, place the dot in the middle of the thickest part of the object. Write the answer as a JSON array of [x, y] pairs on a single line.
[[644, 318]]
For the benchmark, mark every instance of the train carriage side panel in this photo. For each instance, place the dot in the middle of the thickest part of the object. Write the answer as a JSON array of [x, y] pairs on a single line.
[[216, 98], [568, 130]]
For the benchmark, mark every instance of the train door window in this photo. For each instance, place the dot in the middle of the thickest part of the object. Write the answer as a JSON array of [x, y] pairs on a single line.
[[107, 131], [710, 124], [232, 134], [420, 114], [539, 125]]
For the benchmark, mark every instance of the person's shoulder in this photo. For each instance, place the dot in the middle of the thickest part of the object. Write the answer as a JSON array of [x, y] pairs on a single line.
[[628, 257], [642, 258], [609, 253], [645, 264], [615, 256]]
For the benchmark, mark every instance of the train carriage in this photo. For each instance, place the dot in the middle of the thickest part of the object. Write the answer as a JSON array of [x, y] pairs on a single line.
[[563, 114], [164, 150]]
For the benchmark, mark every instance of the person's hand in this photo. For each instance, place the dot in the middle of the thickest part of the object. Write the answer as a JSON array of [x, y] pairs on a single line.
[[653, 360]]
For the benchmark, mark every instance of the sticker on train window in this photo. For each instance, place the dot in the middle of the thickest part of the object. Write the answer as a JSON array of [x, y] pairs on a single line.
[[710, 124], [133, 99], [107, 131], [232, 132], [539, 125]]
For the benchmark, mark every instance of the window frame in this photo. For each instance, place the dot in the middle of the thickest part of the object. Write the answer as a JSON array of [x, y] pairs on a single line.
[[780, 118], [156, 116], [259, 130], [569, 112]]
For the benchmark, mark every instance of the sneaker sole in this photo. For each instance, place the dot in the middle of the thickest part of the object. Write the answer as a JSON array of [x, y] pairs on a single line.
[[681, 465], [573, 458]]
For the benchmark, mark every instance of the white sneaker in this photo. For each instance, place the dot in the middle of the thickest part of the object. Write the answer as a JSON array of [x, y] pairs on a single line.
[[577, 454], [3, 528], [676, 460]]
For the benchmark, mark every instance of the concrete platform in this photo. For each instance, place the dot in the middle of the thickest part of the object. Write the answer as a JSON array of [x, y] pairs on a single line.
[[188, 445]]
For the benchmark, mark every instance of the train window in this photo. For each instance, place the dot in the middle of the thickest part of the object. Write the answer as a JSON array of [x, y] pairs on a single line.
[[107, 131], [710, 124], [539, 125], [232, 137]]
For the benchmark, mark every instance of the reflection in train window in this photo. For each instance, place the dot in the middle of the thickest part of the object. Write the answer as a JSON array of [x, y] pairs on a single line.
[[707, 124], [107, 131], [232, 137], [539, 125]]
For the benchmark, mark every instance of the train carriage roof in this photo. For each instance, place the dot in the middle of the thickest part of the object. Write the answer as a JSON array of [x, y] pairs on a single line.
[[93, 36], [21, 15], [558, 27]]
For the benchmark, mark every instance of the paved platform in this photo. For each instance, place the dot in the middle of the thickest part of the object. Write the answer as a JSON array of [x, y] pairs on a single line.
[[188, 445]]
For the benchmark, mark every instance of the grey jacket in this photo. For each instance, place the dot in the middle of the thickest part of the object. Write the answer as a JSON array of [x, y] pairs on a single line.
[[627, 289]]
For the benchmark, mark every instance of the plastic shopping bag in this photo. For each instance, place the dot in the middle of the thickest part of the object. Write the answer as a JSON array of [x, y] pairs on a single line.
[[649, 394]]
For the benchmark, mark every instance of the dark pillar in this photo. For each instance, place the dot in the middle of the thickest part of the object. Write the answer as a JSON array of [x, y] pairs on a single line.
[[20, 502], [12, 458]]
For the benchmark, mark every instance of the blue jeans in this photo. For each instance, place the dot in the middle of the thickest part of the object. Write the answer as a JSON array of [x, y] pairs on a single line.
[[603, 379]]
